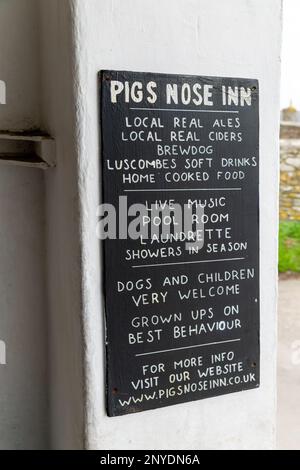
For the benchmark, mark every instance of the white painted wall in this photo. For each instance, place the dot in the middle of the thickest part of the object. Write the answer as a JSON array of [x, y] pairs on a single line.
[[76, 39], [23, 380], [202, 37]]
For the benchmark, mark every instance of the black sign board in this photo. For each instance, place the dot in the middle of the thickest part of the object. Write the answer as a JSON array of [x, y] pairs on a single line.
[[180, 176]]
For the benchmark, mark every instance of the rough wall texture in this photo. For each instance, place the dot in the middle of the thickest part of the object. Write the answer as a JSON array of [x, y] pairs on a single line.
[[290, 172], [108, 36]]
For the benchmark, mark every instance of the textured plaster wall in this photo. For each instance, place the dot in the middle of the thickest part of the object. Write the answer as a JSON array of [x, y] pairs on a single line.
[[56, 49], [201, 37]]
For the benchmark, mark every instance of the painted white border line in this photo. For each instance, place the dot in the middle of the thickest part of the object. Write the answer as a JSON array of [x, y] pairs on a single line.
[[182, 189], [188, 347], [187, 110], [186, 262]]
